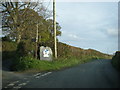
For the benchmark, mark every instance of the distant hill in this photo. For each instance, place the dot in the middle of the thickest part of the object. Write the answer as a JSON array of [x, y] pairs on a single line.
[[66, 51]]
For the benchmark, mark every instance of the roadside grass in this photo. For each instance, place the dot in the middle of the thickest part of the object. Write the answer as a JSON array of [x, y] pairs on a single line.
[[28, 63]]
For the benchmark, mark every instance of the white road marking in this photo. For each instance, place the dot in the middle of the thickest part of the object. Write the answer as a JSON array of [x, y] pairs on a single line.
[[43, 75], [15, 82], [27, 81], [17, 87], [11, 84], [22, 84], [37, 74], [5, 87], [38, 77], [25, 78], [46, 73]]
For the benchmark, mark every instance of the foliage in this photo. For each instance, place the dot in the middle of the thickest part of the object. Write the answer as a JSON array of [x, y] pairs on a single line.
[[25, 48], [20, 20], [6, 38], [8, 50], [116, 60], [9, 46]]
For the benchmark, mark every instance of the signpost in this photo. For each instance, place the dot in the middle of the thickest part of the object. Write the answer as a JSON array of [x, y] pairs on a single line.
[[45, 53]]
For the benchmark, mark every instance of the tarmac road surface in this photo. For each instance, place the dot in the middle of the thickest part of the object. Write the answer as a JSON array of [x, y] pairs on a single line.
[[95, 74]]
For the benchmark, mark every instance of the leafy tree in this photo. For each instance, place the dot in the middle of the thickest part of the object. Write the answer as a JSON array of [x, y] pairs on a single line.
[[23, 23], [12, 14]]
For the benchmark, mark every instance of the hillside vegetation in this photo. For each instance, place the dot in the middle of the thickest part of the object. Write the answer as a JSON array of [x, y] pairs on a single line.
[[116, 60], [67, 56], [65, 50]]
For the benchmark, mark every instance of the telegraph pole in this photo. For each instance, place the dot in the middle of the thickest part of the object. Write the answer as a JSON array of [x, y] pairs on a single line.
[[36, 41], [54, 24]]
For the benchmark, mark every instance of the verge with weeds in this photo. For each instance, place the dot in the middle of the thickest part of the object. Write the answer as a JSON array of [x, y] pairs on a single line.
[[28, 63]]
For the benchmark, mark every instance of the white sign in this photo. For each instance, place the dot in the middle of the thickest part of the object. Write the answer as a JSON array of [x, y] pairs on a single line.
[[46, 53]]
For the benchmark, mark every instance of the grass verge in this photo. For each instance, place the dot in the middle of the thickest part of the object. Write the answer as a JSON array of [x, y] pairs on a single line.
[[28, 63]]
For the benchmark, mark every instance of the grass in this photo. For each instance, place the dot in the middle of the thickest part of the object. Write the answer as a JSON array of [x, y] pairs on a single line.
[[28, 63]]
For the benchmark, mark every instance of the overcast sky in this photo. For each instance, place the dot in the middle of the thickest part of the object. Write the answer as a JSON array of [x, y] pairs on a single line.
[[89, 25]]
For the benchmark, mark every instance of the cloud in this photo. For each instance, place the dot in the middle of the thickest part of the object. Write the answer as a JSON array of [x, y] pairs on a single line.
[[73, 36], [70, 36], [112, 32]]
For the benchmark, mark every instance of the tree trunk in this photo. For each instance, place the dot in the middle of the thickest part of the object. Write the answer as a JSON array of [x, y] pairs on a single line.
[[19, 38]]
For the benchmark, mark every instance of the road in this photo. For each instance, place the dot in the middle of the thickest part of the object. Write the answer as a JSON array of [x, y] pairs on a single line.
[[95, 74]]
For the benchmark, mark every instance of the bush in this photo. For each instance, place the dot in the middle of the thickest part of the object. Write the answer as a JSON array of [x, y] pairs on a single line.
[[25, 48], [116, 60], [6, 38], [27, 63], [8, 50]]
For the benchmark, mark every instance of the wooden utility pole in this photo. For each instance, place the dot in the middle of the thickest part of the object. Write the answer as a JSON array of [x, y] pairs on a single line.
[[54, 24], [36, 41]]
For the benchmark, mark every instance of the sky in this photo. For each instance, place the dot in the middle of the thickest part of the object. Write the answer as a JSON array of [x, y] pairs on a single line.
[[89, 25]]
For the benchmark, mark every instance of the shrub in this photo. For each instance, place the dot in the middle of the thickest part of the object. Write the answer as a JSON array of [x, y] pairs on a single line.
[[25, 48], [8, 50], [6, 38], [116, 60], [27, 63]]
